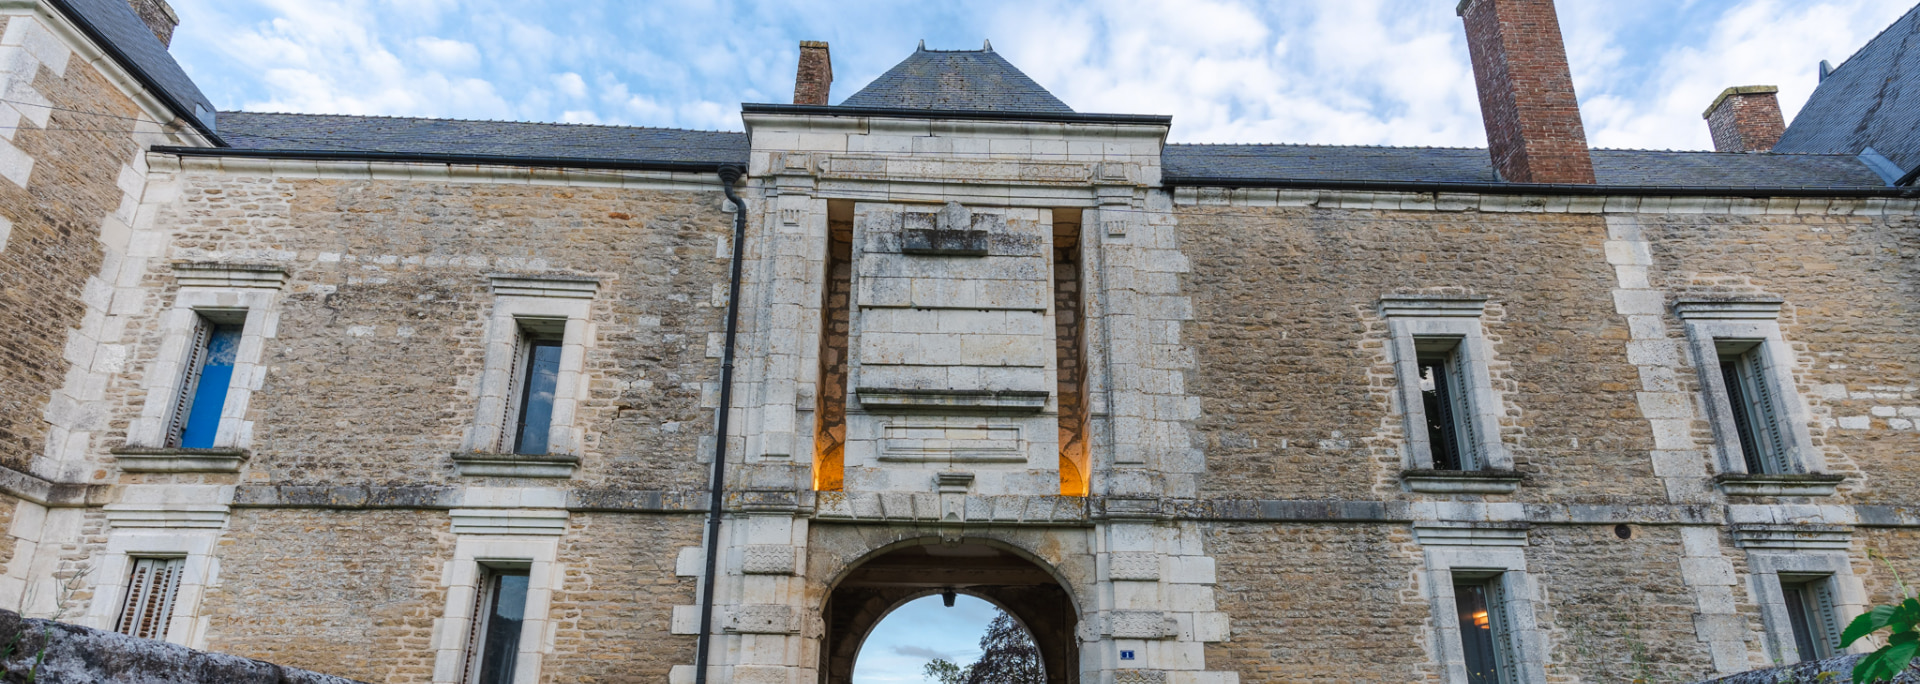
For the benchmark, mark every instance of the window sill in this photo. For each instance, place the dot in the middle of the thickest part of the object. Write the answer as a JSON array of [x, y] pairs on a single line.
[[469, 464], [1794, 484], [1462, 481], [137, 459]]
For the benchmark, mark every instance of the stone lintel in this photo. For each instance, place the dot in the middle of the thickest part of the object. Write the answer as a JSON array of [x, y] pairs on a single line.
[[558, 286], [1795, 484], [1432, 305], [1749, 307], [222, 274], [1462, 481], [1448, 533], [1793, 537], [470, 464]]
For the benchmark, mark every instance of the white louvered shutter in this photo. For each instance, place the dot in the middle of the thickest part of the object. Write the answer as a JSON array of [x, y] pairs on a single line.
[[190, 382], [1500, 611], [150, 592], [482, 587], [1826, 625], [1773, 444], [1463, 423], [516, 383]]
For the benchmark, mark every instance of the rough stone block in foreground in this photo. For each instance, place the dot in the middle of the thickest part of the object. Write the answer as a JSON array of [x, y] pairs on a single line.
[[78, 654], [1837, 670]]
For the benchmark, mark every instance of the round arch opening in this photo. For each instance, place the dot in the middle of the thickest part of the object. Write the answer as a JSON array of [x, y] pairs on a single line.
[[872, 590]]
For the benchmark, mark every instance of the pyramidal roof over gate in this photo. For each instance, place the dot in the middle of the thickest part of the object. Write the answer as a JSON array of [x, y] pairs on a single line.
[[957, 80]]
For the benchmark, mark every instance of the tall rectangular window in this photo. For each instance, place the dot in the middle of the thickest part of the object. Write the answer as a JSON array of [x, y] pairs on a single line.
[[1444, 396], [209, 374], [1810, 615], [1485, 639], [493, 644], [151, 588], [536, 373], [1755, 415]]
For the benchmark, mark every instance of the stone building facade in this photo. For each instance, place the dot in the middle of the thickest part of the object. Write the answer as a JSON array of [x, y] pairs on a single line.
[[1193, 414]]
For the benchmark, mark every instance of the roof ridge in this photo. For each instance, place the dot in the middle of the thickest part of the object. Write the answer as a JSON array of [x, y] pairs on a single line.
[[505, 121]]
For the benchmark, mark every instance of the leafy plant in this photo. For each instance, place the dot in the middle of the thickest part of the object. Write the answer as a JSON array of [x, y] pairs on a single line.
[[1901, 620]]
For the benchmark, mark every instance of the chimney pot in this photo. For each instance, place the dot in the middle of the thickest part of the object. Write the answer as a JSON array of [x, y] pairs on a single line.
[[1745, 119], [159, 18], [1534, 131], [813, 81]]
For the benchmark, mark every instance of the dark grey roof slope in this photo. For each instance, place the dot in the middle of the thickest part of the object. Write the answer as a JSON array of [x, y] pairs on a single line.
[[342, 133], [115, 24], [1201, 163], [1871, 100], [956, 80]]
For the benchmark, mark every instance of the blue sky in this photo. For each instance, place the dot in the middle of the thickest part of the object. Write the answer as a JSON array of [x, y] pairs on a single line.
[[919, 631], [1304, 71]]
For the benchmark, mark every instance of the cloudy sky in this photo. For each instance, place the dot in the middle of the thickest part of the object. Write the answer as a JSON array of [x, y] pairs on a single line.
[[1388, 72]]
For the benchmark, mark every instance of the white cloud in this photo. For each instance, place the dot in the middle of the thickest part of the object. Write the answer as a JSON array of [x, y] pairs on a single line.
[[1327, 71]]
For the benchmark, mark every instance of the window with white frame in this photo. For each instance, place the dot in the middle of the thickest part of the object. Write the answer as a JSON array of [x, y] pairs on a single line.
[[208, 366], [1759, 421], [1486, 636], [533, 381], [153, 584], [1809, 605], [207, 378], [493, 638], [1446, 395]]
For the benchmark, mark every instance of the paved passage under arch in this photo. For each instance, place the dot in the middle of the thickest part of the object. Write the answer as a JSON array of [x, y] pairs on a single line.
[[1025, 590]]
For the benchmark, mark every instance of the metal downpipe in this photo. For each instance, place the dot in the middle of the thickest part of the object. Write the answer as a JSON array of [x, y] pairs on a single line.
[[715, 507]]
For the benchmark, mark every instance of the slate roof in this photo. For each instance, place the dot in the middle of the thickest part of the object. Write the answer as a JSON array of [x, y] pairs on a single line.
[[956, 80], [121, 29], [1871, 100], [1201, 163], [343, 133]]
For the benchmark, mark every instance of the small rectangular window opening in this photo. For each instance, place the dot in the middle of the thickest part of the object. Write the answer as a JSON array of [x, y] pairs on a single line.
[[536, 373], [1809, 603], [151, 588], [1755, 416], [1485, 641], [493, 642], [203, 393], [1443, 393]]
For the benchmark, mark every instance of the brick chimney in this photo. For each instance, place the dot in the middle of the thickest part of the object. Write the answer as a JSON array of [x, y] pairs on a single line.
[[814, 79], [1526, 91], [159, 17], [1745, 119]]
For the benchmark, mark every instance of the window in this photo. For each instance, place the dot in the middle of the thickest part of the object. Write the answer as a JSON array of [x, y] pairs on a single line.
[[1810, 614], [1756, 421], [209, 375], [1486, 640], [151, 589], [500, 607], [1444, 398], [535, 376]]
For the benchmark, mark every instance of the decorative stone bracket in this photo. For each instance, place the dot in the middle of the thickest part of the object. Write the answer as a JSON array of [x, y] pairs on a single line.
[[767, 559], [772, 619], [1130, 624]]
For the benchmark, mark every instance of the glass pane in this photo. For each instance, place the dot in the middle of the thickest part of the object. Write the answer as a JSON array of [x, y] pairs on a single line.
[[536, 406], [210, 394], [1799, 616], [1437, 397], [1476, 633], [501, 648]]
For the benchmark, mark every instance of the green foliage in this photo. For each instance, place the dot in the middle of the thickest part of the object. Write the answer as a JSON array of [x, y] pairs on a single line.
[[1902, 622], [1008, 656], [945, 672]]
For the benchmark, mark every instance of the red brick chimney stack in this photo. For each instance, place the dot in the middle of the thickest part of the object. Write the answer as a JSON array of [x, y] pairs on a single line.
[[1745, 119], [814, 80], [1526, 91]]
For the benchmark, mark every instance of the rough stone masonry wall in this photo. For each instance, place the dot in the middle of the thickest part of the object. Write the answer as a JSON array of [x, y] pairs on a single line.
[[69, 154], [385, 312], [1850, 284], [1292, 367], [614, 614]]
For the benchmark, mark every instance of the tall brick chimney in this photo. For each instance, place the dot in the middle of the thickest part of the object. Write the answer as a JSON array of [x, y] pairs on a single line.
[[1526, 91], [159, 17], [814, 79], [1745, 119]]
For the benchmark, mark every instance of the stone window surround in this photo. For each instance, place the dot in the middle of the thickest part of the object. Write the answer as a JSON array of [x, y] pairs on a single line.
[[1764, 569], [254, 290], [1510, 564], [461, 578], [1412, 317], [187, 626], [518, 298], [1709, 321]]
